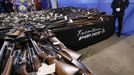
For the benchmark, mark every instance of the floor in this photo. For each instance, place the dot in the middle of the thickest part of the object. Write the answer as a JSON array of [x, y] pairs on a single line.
[[113, 56]]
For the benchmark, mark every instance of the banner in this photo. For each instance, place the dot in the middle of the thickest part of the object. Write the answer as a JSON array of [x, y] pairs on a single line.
[[85, 35]]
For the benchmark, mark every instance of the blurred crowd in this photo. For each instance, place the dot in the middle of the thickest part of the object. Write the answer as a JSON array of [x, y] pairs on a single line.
[[8, 6]]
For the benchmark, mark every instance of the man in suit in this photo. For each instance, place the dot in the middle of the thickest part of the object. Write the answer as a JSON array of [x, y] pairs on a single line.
[[119, 7]]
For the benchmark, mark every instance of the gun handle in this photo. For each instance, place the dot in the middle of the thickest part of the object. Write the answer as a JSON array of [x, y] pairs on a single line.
[[15, 34], [73, 54], [42, 55], [36, 62], [62, 68], [8, 67], [22, 70]]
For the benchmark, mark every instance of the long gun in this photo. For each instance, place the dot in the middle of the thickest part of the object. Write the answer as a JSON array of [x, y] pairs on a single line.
[[68, 58], [35, 59], [3, 51], [30, 59], [22, 69], [9, 65], [50, 36], [16, 61], [60, 70], [7, 39], [36, 49], [73, 54]]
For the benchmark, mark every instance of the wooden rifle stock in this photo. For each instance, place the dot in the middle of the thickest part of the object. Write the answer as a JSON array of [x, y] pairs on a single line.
[[73, 54], [46, 35], [22, 69], [82, 67], [15, 34], [36, 62], [62, 68], [9, 65], [53, 39], [68, 58], [2, 52]]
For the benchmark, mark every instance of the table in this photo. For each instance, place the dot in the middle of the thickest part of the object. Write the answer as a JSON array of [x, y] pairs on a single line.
[[77, 37]]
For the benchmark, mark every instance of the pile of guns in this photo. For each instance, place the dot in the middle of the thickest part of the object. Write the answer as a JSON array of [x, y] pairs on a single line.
[[29, 46], [28, 50], [57, 18]]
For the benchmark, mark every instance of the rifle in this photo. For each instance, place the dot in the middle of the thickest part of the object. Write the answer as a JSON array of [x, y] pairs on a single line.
[[16, 62], [55, 41], [30, 59], [3, 51], [59, 65], [7, 39], [72, 53], [22, 69], [36, 49], [9, 65], [35, 60], [68, 58]]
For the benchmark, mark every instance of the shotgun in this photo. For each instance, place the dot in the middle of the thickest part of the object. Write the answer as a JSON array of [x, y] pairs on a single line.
[[35, 59], [50, 36], [22, 69], [9, 65], [3, 51], [68, 58], [62, 68]]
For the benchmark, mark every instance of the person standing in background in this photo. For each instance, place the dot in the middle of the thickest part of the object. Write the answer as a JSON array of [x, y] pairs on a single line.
[[119, 7]]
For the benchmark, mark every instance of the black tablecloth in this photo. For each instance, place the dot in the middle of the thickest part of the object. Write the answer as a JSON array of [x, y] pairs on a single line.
[[79, 37]]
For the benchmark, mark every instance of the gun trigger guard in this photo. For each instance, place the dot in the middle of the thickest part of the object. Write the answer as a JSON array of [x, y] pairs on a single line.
[[59, 56]]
